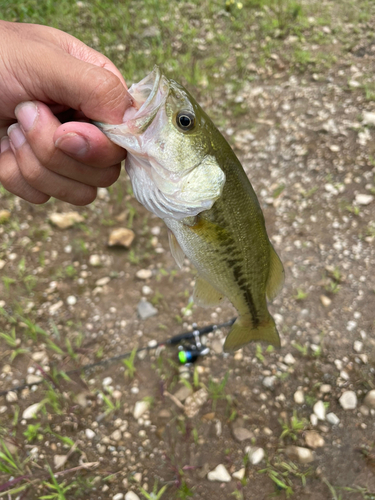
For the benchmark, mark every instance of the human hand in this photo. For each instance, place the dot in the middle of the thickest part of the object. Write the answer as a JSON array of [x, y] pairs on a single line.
[[45, 72]]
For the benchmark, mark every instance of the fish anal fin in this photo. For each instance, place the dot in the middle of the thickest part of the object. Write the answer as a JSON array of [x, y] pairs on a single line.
[[205, 294], [243, 332], [176, 250], [276, 275]]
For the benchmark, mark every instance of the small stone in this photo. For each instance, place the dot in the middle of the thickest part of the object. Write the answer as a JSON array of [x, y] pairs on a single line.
[[325, 388], [11, 397], [326, 301], [348, 400], [55, 307], [332, 418], [240, 474], [81, 399], [320, 410], [354, 84], [256, 455], [146, 310], [116, 435], [121, 237], [4, 216], [90, 434], [299, 397], [303, 455], [2, 265], [269, 382], [183, 393], [146, 290], [118, 496], [364, 410], [314, 420], [138, 477], [131, 496], [32, 410], [313, 439], [357, 346], [363, 199], [65, 220], [369, 400], [71, 300], [59, 460], [219, 474], [39, 356], [107, 381], [241, 434], [140, 408], [289, 359], [368, 118], [116, 394], [33, 379], [144, 274], [103, 281], [94, 260], [195, 401]]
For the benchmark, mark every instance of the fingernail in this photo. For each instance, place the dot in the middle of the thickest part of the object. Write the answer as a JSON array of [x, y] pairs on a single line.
[[73, 144], [4, 144], [26, 114], [16, 136]]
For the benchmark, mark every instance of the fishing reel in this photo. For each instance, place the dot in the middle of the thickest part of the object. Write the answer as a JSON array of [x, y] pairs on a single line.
[[189, 354]]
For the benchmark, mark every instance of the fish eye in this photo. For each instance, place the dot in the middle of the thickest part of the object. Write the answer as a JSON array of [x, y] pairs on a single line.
[[185, 120]]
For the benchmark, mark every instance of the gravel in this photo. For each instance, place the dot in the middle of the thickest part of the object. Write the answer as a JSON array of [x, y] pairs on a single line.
[[348, 400], [220, 473]]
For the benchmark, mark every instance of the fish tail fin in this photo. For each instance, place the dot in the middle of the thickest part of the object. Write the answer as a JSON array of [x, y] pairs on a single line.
[[243, 332]]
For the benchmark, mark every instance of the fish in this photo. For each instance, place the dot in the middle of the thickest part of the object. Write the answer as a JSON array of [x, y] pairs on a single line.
[[183, 170]]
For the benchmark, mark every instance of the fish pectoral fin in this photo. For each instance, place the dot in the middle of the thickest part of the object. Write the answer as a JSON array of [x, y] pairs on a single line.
[[276, 275], [243, 332], [176, 250], [205, 295]]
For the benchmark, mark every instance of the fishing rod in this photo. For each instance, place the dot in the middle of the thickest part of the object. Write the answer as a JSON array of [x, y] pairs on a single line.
[[187, 353]]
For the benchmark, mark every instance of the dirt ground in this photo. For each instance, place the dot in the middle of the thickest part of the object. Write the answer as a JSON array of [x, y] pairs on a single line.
[[307, 143]]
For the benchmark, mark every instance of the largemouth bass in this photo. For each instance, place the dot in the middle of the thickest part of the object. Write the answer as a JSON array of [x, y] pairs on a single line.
[[183, 170]]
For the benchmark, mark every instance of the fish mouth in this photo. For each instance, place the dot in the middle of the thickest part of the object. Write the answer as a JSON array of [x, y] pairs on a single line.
[[148, 96]]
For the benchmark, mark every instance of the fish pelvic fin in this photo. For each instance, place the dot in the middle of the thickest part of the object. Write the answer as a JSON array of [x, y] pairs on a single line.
[[205, 295], [243, 332], [276, 275], [176, 250]]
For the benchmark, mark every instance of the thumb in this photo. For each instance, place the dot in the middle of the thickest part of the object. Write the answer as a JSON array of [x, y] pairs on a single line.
[[89, 88]]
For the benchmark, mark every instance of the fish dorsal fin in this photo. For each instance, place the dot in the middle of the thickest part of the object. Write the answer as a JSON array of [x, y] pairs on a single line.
[[205, 294], [176, 250], [276, 275]]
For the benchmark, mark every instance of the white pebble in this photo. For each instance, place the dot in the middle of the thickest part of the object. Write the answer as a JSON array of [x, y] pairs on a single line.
[[299, 397], [320, 410], [357, 346], [71, 300], [94, 260], [107, 381], [140, 408], [131, 496], [348, 400], [219, 474], [90, 434], [256, 455], [144, 274], [332, 418], [118, 496], [289, 359]]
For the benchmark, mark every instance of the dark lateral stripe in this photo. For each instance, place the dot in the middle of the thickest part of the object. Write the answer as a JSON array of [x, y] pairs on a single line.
[[241, 282]]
